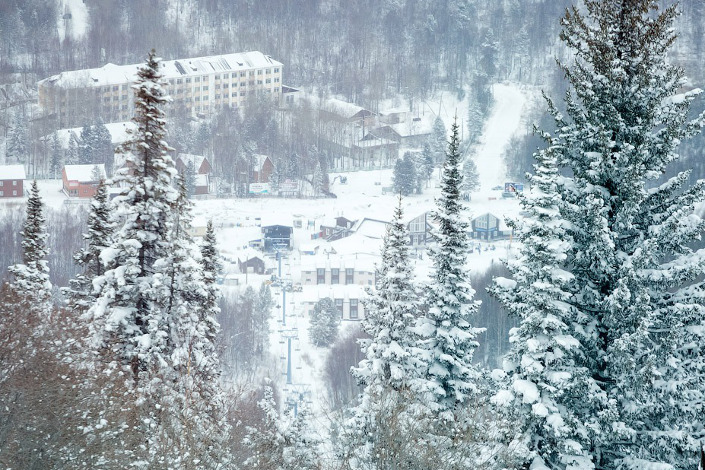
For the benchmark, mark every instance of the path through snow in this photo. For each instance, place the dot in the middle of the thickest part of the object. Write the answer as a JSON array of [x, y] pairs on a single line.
[[503, 123]]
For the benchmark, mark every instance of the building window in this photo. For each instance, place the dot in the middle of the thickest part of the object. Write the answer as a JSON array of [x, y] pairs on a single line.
[[252, 73], [242, 93], [269, 80], [2, 193], [234, 93], [1, 182], [124, 87], [268, 71], [14, 193], [320, 276], [251, 82], [116, 98], [217, 97], [339, 306], [198, 98], [259, 82], [242, 84], [225, 85], [353, 309], [197, 79], [205, 87], [242, 74], [259, 72], [205, 98], [335, 276], [349, 276], [188, 80], [124, 107], [217, 87], [217, 77], [179, 81]]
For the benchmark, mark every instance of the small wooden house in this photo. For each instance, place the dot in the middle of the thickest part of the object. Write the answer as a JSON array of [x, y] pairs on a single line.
[[12, 181], [253, 264], [262, 169], [82, 180]]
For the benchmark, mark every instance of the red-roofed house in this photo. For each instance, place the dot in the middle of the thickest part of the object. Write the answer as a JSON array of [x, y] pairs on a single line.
[[82, 180], [12, 180]]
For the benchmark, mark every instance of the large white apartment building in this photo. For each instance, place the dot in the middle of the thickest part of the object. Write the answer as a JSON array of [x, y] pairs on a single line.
[[201, 85]]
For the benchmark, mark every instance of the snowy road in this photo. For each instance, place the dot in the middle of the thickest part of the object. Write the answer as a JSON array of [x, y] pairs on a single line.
[[501, 126]]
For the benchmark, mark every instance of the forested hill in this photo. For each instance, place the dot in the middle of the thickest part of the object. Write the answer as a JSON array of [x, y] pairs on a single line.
[[362, 49]]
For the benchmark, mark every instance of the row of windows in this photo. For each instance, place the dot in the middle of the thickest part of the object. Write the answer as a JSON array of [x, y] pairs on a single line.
[[14, 183], [2, 193], [227, 85], [353, 308], [225, 76], [335, 276]]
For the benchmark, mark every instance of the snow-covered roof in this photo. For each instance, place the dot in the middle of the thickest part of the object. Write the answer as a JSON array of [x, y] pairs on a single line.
[[83, 173], [188, 158], [371, 228], [12, 172], [312, 294], [259, 162], [111, 74]]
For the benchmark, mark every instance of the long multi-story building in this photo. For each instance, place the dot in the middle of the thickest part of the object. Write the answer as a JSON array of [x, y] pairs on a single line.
[[200, 85]]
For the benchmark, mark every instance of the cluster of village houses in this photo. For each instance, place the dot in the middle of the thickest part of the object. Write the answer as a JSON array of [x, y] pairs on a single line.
[[333, 262]]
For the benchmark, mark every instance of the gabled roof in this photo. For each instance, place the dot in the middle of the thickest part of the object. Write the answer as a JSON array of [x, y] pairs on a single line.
[[259, 161], [12, 172], [188, 158], [84, 173]]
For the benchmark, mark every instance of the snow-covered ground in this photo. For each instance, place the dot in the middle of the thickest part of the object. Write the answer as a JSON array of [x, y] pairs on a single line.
[[77, 24]]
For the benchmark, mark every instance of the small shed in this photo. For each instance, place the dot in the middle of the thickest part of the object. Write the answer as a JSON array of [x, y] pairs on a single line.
[[199, 163], [82, 180], [262, 168], [12, 181], [253, 264]]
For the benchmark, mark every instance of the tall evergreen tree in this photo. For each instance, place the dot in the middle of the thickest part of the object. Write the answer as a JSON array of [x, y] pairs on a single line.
[[104, 152], [405, 175], [447, 335], [390, 311], [438, 140], [100, 227], [17, 146], [627, 331], [471, 178], [57, 162], [148, 321], [30, 279]]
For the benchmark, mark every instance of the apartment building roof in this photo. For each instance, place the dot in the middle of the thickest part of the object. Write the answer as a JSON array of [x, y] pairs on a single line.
[[111, 74]]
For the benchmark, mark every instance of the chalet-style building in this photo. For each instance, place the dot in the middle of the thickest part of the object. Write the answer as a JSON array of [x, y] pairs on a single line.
[[12, 181], [262, 169], [253, 264], [341, 227], [82, 180], [489, 227], [200, 164], [419, 230]]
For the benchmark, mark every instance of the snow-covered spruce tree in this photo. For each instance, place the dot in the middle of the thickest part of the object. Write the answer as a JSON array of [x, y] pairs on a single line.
[[378, 433], [147, 322], [447, 337], [438, 140], [390, 311], [635, 300], [471, 178], [100, 226], [548, 366], [56, 162], [324, 321], [317, 180], [282, 441], [405, 175], [17, 146], [30, 279]]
